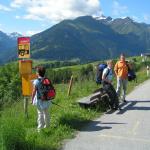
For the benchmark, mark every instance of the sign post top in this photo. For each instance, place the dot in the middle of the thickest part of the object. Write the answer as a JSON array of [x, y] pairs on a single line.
[[23, 40], [24, 47]]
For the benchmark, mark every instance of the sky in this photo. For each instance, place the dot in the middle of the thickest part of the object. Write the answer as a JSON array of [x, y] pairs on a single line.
[[28, 17]]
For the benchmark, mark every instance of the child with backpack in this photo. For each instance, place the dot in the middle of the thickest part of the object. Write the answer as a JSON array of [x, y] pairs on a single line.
[[107, 77], [42, 93]]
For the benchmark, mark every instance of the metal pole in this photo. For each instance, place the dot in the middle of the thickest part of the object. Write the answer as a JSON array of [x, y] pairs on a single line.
[[26, 107]]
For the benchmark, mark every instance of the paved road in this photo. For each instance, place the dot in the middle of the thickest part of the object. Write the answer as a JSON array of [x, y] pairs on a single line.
[[128, 129]]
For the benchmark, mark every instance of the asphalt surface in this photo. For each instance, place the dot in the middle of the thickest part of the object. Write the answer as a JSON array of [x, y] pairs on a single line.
[[128, 129]]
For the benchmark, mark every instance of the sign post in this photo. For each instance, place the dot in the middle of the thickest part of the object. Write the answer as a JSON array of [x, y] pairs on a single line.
[[25, 69], [26, 99]]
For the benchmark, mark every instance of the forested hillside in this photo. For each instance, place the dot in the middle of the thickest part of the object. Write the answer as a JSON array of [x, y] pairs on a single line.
[[84, 38]]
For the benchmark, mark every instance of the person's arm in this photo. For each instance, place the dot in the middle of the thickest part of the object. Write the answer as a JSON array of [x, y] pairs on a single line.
[[33, 94], [104, 76]]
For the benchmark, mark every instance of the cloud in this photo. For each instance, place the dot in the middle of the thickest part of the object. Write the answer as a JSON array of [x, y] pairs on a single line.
[[31, 32], [32, 17], [146, 17], [135, 18], [56, 11], [28, 17], [119, 9], [17, 17], [4, 8]]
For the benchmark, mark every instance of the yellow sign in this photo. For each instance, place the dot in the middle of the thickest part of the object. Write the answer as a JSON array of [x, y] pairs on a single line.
[[25, 67], [23, 47], [27, 84]]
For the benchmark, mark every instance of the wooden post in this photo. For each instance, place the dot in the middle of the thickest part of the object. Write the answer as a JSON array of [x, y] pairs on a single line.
[[70, 85], [26, 107]]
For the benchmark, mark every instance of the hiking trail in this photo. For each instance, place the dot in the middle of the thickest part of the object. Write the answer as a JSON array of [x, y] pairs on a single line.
[[121, 130]]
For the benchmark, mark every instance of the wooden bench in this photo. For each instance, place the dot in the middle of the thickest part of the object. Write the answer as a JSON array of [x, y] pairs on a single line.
[[93, 99]]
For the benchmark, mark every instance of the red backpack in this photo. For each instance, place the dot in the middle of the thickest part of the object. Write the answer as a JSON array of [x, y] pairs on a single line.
[[47, 90]]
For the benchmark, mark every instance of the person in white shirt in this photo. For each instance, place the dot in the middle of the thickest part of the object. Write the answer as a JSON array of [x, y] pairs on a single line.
[[43, 118], [108, 87]]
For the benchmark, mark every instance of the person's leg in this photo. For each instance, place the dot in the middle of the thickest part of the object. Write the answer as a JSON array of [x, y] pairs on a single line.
[[46, 118], [111, 95], [106, 87], [40, 119], [119, 84], [115, 97], [125, 81]]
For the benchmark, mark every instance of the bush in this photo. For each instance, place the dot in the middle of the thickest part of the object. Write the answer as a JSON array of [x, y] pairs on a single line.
[[10, 84], [12, 135], [86, 72], [57, 76]]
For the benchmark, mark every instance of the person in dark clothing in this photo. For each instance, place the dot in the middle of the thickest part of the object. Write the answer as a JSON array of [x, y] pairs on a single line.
[[108, 87]]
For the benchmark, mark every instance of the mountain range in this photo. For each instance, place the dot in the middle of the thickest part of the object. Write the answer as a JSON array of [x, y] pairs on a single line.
[[86, 38], [8, 44]]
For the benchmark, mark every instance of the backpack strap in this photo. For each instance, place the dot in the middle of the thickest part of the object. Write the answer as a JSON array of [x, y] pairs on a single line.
[[41, 79], [108, 71], [38, 92]]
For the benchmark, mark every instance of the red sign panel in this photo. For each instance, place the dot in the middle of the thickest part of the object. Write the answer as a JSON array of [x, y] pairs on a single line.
[[23, 47]]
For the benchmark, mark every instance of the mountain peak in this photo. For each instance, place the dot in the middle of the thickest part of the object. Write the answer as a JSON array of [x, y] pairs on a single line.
[[14, 35], [123, 20], [100, 17], [128, 19], [109, 18], [105, 20]]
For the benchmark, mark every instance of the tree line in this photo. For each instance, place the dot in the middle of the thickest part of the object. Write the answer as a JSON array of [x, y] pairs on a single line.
[[10, 80]]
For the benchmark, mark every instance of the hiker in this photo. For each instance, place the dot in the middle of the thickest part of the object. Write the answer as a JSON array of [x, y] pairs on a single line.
[[107, 77], [147, 71], [42, 106], [121, 71]]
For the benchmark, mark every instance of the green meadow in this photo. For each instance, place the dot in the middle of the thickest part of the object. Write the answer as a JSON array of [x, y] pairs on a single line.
[[19, 132]]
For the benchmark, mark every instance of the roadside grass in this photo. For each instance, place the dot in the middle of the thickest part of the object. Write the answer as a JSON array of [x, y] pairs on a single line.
[[65, 120], [19, 133]]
